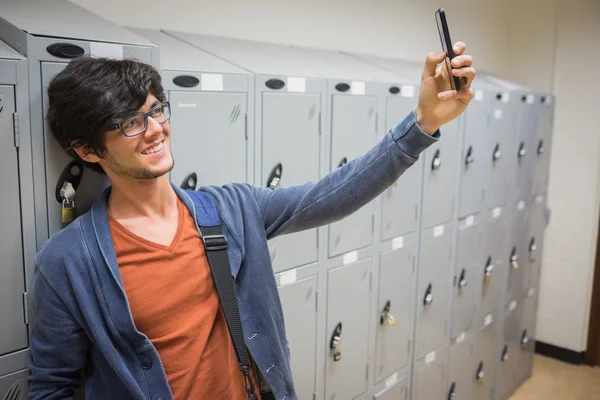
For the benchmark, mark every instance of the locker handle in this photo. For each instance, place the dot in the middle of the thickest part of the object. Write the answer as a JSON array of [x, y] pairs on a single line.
[[335, 343], [274, 180], [489, 268], [532, 249], [504, 354], [469, 159], [522, 150], [463, 280], [72, 174], [541, 148], [386, 317], [524, 338], [428, 296], [452, 393], [514, 259], [342, 162], [437, 160], [480, 374], [189, 182], [497, 152]]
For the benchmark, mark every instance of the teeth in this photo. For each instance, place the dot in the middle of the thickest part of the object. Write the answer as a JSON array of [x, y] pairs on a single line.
[[154, 149]]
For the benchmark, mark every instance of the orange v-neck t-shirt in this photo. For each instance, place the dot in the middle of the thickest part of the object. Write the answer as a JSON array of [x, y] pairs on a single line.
[[175, 303]]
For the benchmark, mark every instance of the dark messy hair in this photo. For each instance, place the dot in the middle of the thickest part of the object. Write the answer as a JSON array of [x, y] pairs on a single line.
[[91, 94]]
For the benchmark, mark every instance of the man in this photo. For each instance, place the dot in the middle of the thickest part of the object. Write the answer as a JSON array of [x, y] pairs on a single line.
[[124, 297]]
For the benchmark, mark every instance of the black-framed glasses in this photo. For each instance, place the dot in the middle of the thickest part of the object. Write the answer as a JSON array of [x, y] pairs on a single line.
[[138, 124]]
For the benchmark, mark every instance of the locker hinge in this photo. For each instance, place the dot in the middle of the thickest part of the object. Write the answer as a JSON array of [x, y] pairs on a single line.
[[26, 308], [320, 122], [246, 125], [16, 129]]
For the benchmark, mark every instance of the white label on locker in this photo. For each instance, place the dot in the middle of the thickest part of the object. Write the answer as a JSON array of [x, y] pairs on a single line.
[[521, 205], [186, 105], [212, 82], [108, 50], [470, 220], [497, 113], [513, 305], [285, 278], [438, 231], [350, 257], [391, 381], [429, 358], [488, 319], [407, 91], [478, 95], [505, 97], [496, 212], [461, 337], [531, 292], [538, 199], [358, 87], [530, 99], [398, 243], [296, 84]]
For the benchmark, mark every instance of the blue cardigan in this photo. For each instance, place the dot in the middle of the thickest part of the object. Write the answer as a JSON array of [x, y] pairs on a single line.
[[82, 322]]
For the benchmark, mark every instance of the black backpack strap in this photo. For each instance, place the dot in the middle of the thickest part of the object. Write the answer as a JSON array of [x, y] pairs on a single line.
[[215, 245]]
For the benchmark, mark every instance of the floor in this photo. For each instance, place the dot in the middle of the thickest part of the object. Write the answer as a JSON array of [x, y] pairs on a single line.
[[556, 380]]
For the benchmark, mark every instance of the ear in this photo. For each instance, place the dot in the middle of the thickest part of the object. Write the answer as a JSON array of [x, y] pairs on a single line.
[[86, 154]]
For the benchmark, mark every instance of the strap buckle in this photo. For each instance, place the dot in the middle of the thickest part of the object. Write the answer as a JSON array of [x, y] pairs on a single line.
[[215, 242]]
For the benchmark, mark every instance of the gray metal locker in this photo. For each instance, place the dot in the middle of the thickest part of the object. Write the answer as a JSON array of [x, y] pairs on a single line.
[[524, 154], [487, 349], [518, 263], [210, 102], [433, 295], [397, 389], [535, 250], [396, 289], [18, 236], [509, 351], [430, 376], [494, 262], [298, 292], [347, 332], [40, 29], [462, 369], [543, 144], [287, 123], [527, 336], [467, 275]]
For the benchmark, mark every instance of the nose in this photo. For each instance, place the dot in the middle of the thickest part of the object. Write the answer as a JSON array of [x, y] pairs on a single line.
[[154, 129]]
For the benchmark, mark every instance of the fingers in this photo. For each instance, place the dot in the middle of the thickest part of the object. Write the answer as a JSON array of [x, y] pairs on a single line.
[[467, 73], [465, 94], [431, 63], [459, 48], [462, 61]]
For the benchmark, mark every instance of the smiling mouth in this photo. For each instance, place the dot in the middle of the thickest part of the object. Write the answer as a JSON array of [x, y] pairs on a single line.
[[154, 149]]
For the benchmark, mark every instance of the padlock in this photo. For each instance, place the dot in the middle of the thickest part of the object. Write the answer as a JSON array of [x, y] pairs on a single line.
[[335, 343], [437, 161], [428, 296], [386, 317], [497, 152], [463, 280], [514, 259], [68, 212], [489, 268], [522, 150]]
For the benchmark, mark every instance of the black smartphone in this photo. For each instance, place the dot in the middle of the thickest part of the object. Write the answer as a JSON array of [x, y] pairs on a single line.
[[442, 24]]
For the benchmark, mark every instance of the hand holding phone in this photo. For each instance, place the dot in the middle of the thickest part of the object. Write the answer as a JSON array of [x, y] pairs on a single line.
[[444, 32]]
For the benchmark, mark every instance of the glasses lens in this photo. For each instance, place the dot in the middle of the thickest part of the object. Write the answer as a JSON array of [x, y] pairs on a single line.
[[133, 126], [161, 113]]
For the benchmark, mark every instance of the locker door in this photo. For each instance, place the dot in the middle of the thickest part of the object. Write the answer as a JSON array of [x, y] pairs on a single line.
[[499, 151], [57, 160], [347, 339], [462, 369], [494, 262], [473, 164], [396, 288], [542, 147], [467, 274], [487, 348], [441, 162], [431, 377], [509, 352], [527, 338], [400, 201], [536, 240], [353, 132], [208, 137], [14, 386], [519, 252], [524, 153], [290, 129], [434, 293], [298, 301], [398, 391], [13, 335]]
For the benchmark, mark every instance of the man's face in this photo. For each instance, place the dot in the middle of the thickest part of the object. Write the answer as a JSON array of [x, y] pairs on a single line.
[[145, 156]]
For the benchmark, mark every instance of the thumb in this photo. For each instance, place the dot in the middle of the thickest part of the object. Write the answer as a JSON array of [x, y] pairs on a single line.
[[431, 63]]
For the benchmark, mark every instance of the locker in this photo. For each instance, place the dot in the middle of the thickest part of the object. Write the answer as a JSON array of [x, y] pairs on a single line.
[[397, 391], [14, 385], [487, 349], [509, 352], [434, 294], [400, 203], [542, 145], [395, 311], [353, 131], [527, 336], [347, 333], [42, 40], [518, 263], [524, 152], [466, 276], [473, 163], [298, 300], [441, 164], [288, 109], [13, 335], [431, 372], [462, 369], [539, 222], [494, 262]]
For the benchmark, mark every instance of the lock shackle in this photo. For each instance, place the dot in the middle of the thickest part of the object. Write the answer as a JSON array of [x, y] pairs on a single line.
[[72, 173]]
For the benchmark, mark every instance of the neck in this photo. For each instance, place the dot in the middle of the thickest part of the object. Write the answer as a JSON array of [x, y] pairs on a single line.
[[152, 198]]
